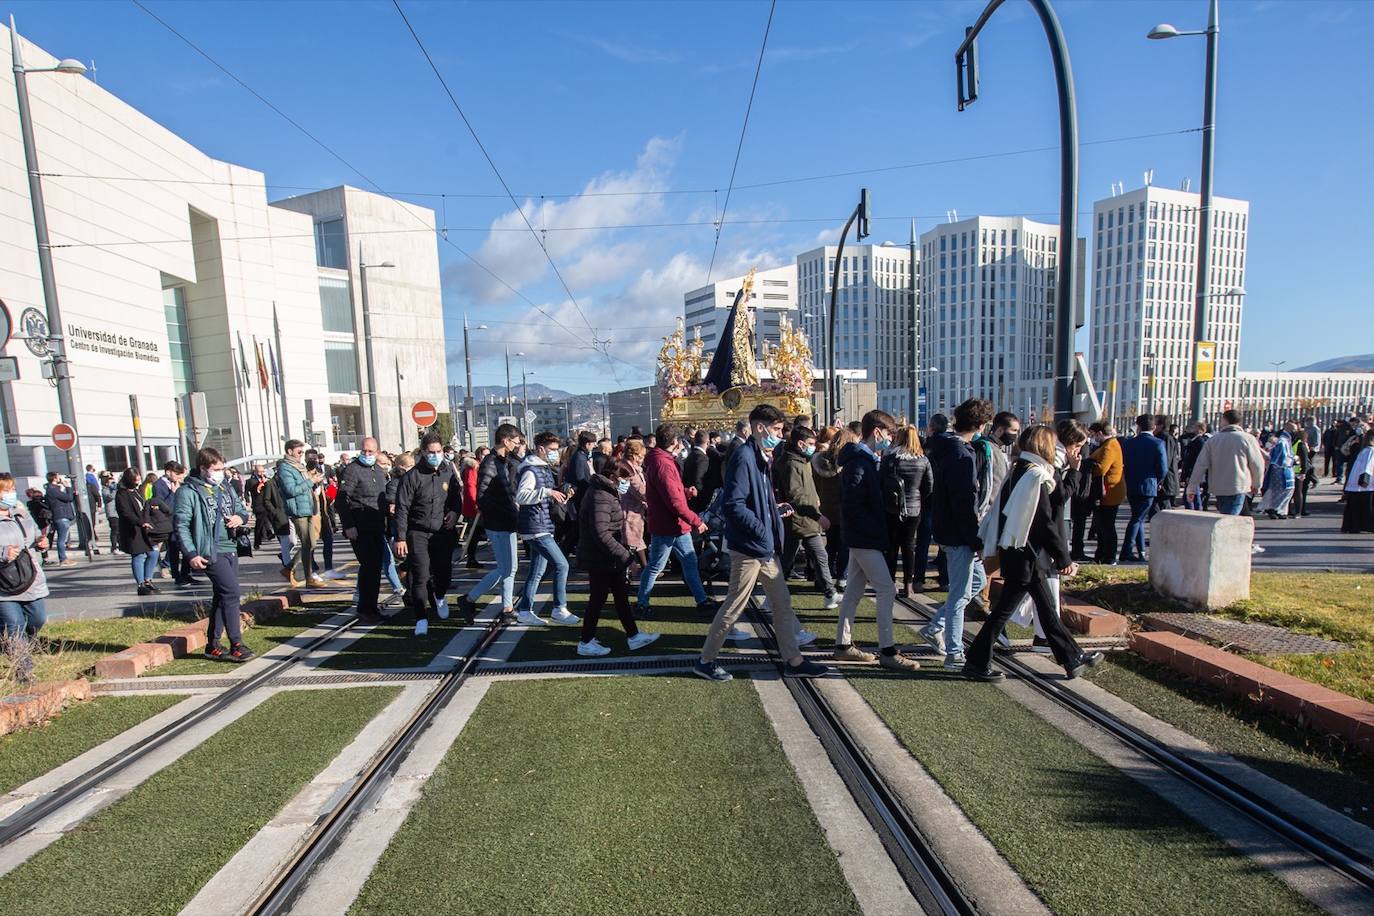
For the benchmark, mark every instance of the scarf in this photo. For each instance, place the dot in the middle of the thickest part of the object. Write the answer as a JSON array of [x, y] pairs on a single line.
[[1019, 508]]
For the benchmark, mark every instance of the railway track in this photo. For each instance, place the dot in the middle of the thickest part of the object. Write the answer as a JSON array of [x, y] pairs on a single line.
[[1329, 850]]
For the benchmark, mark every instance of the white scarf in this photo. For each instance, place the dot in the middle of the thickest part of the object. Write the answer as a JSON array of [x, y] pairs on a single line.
[[1019, 510]]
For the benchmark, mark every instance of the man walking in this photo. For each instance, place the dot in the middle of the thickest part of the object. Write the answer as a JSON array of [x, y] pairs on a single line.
[[1146, 464], [1232, 465], [1187, 470], [670, 521], [1169, 491], [428, 500], [362, 507], [501, 518], [297, 492], [207, 512], [255, 494], [754, 534], [804, 526], [536, 489]]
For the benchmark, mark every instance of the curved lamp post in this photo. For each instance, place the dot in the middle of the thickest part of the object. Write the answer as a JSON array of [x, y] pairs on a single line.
[[862, 213]]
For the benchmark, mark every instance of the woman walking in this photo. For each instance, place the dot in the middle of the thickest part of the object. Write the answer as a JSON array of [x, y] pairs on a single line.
[[825, 468], [601, 551], [134, 530], [907, 481], [1029, 545], [23, 586], [633, 501], [1359, 490]]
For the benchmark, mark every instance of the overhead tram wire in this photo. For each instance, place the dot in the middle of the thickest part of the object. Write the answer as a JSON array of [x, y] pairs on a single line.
[[739, 147], [354, 169], [539, 240]]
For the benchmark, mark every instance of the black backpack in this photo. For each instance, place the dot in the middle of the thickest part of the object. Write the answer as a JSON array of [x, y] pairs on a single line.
[[17, 575]]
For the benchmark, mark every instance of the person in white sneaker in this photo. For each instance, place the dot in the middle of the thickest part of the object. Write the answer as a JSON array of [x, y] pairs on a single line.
[[601, 551], [535, 490], [427, 503]]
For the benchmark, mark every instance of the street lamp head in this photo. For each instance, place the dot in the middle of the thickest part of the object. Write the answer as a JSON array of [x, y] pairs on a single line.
[[1236, 291], [383, 264], [1163, 30], [70, 65]]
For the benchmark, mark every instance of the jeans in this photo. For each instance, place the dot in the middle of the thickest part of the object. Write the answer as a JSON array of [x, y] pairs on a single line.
[[814, 545], [60, 527], [543, 553], [1231, 505], [393, 577], [966, 579], [867, 567], [660, 546], [223, 573], [744, 573], [22, 618], [144, 566], [1135, 528], [503, 549], [284, 549]]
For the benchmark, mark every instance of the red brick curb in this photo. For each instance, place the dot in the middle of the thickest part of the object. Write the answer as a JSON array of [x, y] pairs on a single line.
[[40, 704], [1079, 616], [1309, 704]]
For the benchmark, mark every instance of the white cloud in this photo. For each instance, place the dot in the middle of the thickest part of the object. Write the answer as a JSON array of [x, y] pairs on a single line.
[[634, 54]]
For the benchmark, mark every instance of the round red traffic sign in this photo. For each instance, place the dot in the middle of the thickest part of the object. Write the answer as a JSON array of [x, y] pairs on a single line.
[[64, 437], [424, 413]]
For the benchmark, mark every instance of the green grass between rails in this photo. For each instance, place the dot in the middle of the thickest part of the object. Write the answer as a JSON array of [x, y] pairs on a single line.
[[31, 752], [70, 648], [611, 796], [1321, 768], [1087, 838], [262, 639], [674, 616], [151, 851], [394, 644]]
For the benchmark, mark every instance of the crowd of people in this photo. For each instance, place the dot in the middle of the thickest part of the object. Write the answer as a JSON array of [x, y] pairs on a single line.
[[846, 508]]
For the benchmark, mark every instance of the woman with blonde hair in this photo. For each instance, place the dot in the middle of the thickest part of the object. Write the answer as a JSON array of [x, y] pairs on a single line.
[[1030, 544], [907, 481]]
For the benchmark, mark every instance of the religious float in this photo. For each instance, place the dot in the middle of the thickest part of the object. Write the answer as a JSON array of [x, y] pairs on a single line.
[[731, 386]]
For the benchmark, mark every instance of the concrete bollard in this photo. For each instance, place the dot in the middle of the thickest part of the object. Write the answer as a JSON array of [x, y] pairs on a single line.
[[1200, 557]]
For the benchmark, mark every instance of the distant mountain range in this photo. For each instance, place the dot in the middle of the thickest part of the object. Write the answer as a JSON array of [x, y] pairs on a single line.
[[1363, 363], [498, 392]]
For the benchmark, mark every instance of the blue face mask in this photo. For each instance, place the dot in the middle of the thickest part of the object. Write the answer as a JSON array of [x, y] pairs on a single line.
[[771, 441], [881, 445], [10, 499], [434, 458], [623, 487], [367, 461], [809, 451]]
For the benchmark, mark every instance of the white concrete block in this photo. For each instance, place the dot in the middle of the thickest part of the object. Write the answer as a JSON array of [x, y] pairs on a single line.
[[1200, 557]]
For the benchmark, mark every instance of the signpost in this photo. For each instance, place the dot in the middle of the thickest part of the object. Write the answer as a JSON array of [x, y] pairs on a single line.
[[64, 437], [424, 414]]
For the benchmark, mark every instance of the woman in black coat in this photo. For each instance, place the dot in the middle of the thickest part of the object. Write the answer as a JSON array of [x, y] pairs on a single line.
[[1029, 532], [907, 482], [134, 528], [601, 551]]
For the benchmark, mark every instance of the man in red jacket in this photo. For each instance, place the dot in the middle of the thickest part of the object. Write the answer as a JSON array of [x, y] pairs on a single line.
[[669, 520]]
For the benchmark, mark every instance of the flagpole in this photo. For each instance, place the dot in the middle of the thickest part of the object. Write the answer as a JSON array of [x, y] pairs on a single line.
[[281, 372], [241, 409], [262, 380]]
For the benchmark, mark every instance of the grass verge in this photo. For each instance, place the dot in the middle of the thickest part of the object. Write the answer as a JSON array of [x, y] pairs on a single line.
[[70, 648], [609, 796], [1336, 606], [31, 752], [261, 639], [152, 850], [1321, 768], [1087, 838]]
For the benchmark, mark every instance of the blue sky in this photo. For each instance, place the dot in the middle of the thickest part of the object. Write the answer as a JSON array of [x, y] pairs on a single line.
[[611, 97]]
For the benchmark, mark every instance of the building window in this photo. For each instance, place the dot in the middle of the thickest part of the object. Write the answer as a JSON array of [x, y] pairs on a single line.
[[178, 338], [331, 244], [336, 306], [341, 367]]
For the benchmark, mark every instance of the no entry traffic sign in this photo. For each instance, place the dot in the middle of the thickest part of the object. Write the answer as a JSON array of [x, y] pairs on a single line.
[[64, 437], [424, 413]]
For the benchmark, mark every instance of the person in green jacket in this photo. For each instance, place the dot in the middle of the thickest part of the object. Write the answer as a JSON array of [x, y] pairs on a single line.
[[207, 512], [297, 489]]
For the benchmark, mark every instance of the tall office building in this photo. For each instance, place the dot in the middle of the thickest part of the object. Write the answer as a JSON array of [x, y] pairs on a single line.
[[873, 314], [707, 308], [1144, 271], [987, 313]]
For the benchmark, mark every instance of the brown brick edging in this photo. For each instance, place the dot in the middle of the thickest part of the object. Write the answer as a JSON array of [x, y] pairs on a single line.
[[1309, 704], [40, 703], [188, 638], [1079, 616]]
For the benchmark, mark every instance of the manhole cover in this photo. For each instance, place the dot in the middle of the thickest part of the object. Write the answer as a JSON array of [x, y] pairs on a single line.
[[1259, 638]]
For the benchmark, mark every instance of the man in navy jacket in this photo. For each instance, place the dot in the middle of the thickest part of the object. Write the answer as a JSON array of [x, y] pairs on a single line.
[[753, 532], [1146, 464]]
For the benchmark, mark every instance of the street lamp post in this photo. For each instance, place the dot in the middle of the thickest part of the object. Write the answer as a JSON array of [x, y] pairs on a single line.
[[467, 392], [1204, 233], [525, 397], [374, 414], [510, 398], [914, 318], [400, 405], [966, 74], [862, 212], [56, 341]]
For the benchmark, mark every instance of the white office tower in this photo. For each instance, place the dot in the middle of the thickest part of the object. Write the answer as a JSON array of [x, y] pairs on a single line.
[[1144, 271], [872, 314], [987, 313], [775, 294]]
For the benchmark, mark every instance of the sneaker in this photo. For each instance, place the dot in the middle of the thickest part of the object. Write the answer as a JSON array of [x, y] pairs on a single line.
[[164, 573], [955, 662], [508, 615], [737, 635], [421, 627], [852, 653], [832, 601], [331, 574], [805, 638], [711, 671], [1004, 641], [563, 617], [144, 591], [399, 593], [592, 649], [806, 668], [841, 585], [240, 653], [1082, 663], [530, 619], [934, 638], [441, 608], [987, 677], [214, 651], [317, 582], [1255, 548], [1040, 644], [898, 662], [468, 608], [642, 639]]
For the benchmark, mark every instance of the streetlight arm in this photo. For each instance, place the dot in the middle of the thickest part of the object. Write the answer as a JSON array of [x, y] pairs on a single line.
[[832, 388]]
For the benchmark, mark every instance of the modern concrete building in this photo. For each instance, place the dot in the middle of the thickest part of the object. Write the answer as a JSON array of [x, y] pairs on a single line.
[[987, 313], [707, 308], [1275, 396], [175, 276], [873, 313]]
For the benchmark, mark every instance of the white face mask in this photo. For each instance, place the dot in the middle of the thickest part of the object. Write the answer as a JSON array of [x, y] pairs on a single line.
[[215, 477]]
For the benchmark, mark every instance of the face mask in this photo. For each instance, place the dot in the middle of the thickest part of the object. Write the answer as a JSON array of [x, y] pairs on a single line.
[[215, 477], [809, 451], [880, 445], [623, 487], [434, 459], [1007, 438], [771, 441], [367, 461], [9, 500]]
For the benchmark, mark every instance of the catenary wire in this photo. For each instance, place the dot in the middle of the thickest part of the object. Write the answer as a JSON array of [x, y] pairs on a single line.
[[739, 147]]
